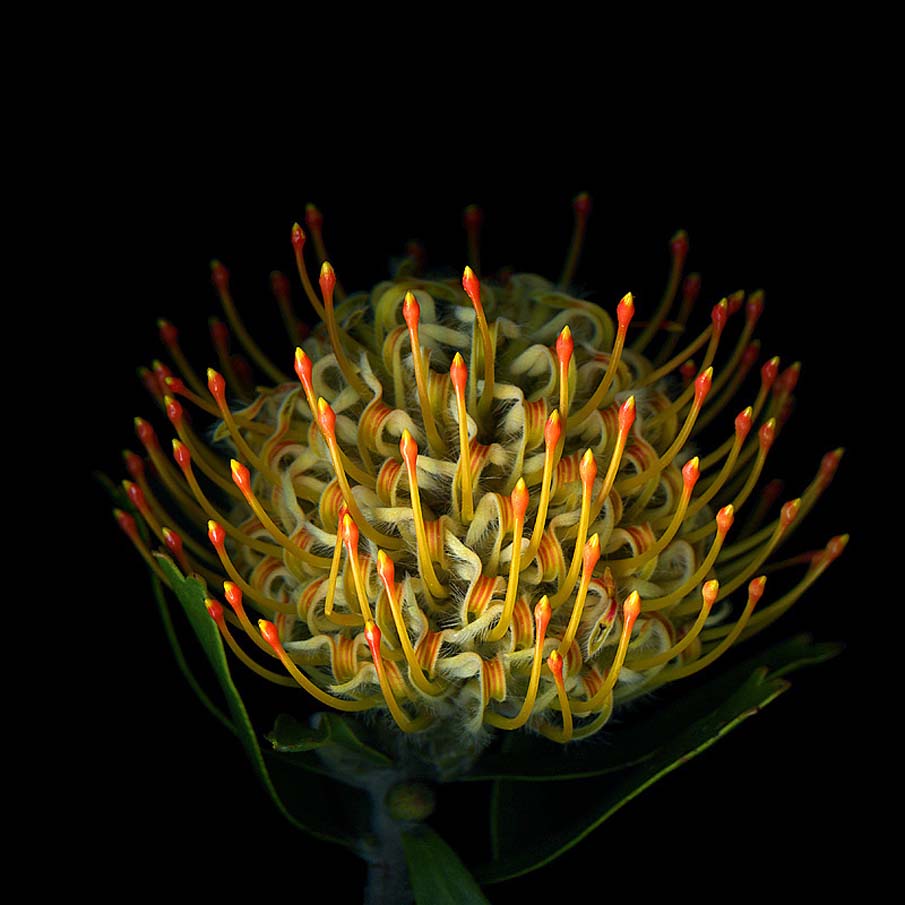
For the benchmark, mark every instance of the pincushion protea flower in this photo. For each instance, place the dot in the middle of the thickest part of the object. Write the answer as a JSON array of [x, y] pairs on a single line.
[[477, 504]]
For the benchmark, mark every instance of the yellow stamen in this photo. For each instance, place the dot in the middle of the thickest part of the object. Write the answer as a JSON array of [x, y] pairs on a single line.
[[555, 663], [679, 249], [519, 497], [328, 284], [552, 434], [473, 291], [350, 542], [590, 558], [626, 419], [588, 471], [411, 311], [459, 376]]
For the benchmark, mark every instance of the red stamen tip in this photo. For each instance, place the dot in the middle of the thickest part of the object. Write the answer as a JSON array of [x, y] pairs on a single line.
[[181, 454], [304, 369], [590, 556], [835, 546], [749, 356], [768, 371], [279, 284], [554, 661], [386, 570], [691, 288], [219, 333], [519, 499], [702, 385], [625, 310], [169, 335], [587, 468], [828, 465], [735, 301], [372, 636], [789, 513], [743, 422], [174, 409], [150, 382], [687, 371], [678, 245], [411, 311], [755, 307], [146, 434], [326, 418], [173, 541], [709, 592], [581, 204], [724, 519], [313, 217], [298, 238], [216, 384], [216, 534], [472, 217], [627, 414], [327, 281], [719, 315], [270, 634], [350, 534], [691, 471], [241, 476], [134, 492], [135, 465], [220, 276], [409, 449], [458, 373], [233, 594], [542, 613], [788, 380], [214, 609], [631, 609], [767, 434], [565, 346], [126, 522], [553, 429], [472, 286], [756, 589], [174, 385]]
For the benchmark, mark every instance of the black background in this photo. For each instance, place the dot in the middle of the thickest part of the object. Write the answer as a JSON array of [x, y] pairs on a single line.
[[774, 798]]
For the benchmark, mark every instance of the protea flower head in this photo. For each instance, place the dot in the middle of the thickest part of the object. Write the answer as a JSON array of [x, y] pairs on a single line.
[[476, 504]]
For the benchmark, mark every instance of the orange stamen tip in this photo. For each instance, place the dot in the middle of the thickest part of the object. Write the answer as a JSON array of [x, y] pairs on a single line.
[[472, 286], [542, 613], [219, 276], [719, 315], [216, 384], [691, 471], [554, 661], [146, 434], [749, 356], [591, 553], [372, 636], [724, 519], [472, 216], [702, 385], [126, 522], [313, 217], [789, 513], [756, 589], [233, 594], [687, 371], [519, 499], [216, 533], [565, 345], [172, 540], [181, 454], [627, 414], [709, 592], [553, 429], [169, 335], [174, 409], [174, 384], [350, 534], [135, 465], [298, 237], [327, 279], [836, 545], [691, 286], [755, 307], [411, 310], [769, 371], [270, 634], [678, 244], [788, 380], [458, 373], [743, 422], [828, 465], [386, 568], [631, 609], [133, 491], [214, 609], [767, 434], [581, 204], [587, 467], [326, 418], [241, 476], [625, 310], [303, 367], [409, 448]]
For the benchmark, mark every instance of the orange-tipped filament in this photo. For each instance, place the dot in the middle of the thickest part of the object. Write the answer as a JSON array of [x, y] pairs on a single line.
[[519, 498], [459, 377]]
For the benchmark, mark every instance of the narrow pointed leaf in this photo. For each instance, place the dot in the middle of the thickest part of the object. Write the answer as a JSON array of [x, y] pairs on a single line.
[[437, 875]]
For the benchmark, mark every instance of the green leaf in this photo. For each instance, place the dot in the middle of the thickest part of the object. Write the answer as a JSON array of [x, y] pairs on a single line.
[[561, 815], [437, 875], [318, 805], [529, 758], [290, 736]]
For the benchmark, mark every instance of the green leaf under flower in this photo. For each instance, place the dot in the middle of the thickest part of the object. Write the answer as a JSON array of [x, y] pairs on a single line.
[[437, 875]]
